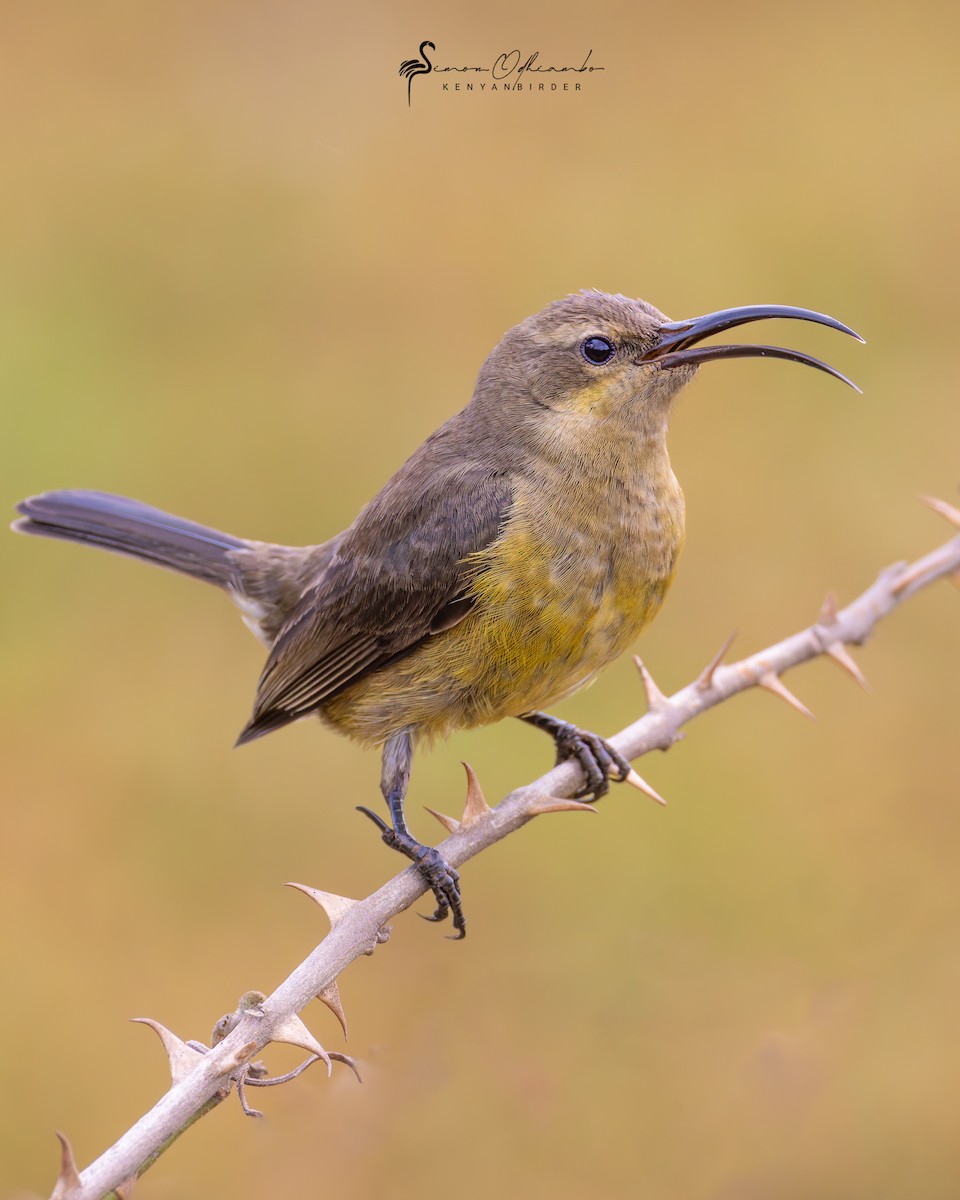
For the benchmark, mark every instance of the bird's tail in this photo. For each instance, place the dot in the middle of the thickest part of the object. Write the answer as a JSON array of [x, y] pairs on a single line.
[[129, 527]]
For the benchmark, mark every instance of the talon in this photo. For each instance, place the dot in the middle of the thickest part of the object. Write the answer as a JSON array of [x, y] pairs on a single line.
[[378, 821], [442, 879], [622, 762], [440, 915], [599, 761], [444, 882]]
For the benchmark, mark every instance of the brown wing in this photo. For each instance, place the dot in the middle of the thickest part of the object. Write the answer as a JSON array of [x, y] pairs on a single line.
[[398, 577]]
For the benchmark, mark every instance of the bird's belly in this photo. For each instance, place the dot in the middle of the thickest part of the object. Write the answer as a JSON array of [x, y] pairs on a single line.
[[539, 637], [549, 613]]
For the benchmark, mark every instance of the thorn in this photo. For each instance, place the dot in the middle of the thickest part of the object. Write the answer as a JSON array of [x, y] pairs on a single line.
[[840, 655], [330, 996], [68, 1181], [909, 577], [293, 1031], [945, 510], [773, 683], [955, 579], [183, 1058], [450, 824], [336, 907], [705, 680], [656, 700], [828, 610], [552, 804], [124, 1191], [889, 575], [476, 807], [642, 786]]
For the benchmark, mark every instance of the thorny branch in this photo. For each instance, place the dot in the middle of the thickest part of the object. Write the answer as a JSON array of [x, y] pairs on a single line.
[[202, 1076]]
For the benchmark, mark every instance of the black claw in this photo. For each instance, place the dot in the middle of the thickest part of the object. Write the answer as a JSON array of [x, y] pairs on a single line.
[[444, 882], [440, 915], [438, 875], [378, 821], [599, 761], [596, 757]]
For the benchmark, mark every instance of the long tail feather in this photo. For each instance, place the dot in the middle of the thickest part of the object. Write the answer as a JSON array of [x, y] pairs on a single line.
[[129, 527]]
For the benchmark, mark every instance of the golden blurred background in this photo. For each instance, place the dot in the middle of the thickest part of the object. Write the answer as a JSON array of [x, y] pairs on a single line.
[[242, 280]]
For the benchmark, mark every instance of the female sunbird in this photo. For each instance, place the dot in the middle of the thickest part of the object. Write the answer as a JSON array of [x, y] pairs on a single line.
[[521, 548]]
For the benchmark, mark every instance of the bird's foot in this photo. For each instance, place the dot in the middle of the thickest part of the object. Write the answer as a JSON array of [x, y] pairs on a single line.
[[599, 761], [437, 873]]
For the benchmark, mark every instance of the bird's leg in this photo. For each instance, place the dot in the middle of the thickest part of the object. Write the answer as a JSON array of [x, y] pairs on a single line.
[[599, 760], [438, 875]]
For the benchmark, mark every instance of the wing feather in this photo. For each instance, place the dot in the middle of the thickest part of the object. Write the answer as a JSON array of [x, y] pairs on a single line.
[[398, 577]]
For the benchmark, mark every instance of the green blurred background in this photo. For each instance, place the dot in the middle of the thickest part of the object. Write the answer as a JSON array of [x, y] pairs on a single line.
[[242, 280]]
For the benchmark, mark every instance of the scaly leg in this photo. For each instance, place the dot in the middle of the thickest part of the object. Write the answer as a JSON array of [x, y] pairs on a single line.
[[438, 875], [597, 757]]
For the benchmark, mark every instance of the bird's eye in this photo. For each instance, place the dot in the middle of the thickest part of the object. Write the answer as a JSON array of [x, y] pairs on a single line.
[[597, 350]]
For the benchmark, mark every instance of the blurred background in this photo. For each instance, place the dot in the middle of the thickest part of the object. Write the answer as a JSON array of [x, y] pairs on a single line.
[[242, 280]]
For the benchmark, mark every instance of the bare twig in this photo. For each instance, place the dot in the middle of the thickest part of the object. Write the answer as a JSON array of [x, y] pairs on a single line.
[[203, 1076]]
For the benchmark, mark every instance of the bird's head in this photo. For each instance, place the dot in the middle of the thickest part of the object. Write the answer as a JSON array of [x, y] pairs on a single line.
[[593, 355]]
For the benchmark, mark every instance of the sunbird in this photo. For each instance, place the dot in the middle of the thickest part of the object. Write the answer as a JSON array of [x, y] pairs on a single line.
[[519, 550]]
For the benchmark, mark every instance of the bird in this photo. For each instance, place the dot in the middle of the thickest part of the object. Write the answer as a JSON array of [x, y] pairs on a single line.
[[520, 549], [416, 66]]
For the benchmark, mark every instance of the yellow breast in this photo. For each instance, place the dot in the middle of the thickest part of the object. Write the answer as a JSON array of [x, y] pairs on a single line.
[[580, 567]]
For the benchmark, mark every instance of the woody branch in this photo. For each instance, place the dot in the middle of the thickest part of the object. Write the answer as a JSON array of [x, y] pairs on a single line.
[[203, 1076]]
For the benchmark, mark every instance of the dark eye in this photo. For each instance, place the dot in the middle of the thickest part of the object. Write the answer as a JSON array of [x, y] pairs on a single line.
[[597, 350]]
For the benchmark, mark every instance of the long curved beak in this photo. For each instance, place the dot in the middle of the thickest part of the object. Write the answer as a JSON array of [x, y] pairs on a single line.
[[678, 339]]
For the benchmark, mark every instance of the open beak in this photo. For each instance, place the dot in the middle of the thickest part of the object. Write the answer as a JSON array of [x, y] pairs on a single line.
[[678, 344]]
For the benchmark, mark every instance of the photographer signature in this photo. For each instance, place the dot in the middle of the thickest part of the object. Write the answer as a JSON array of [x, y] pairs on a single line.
[[510, 63]]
